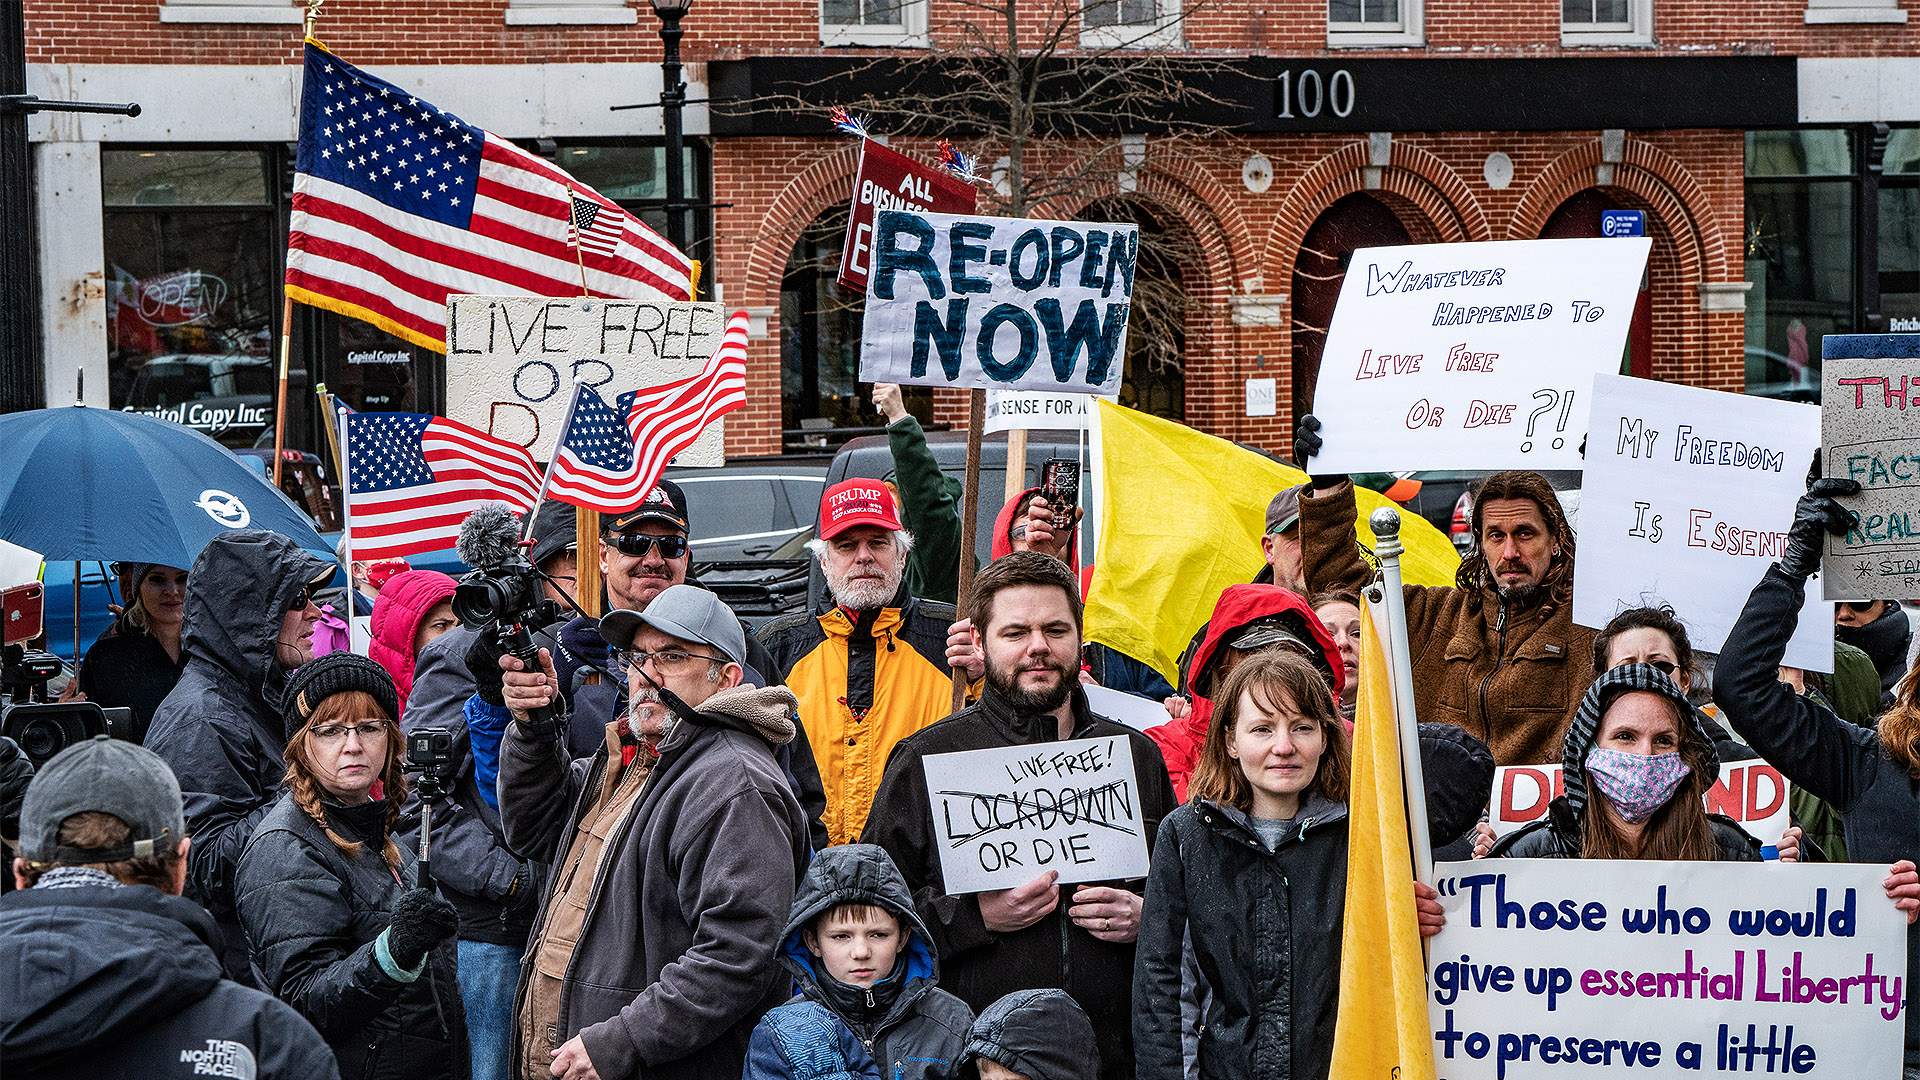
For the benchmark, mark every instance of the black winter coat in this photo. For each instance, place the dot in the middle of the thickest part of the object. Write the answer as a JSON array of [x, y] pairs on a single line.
[[981, 966], [1265, 930], [102, 982], [312, 917], [1846, 765], [220, 729]]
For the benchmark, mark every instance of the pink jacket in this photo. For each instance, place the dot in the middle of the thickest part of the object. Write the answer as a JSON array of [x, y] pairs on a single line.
[[397, 614]]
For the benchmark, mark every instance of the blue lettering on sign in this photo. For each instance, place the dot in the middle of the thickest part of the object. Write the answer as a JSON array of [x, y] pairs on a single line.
[[1623, 223], [890, 258], [1019, 319]]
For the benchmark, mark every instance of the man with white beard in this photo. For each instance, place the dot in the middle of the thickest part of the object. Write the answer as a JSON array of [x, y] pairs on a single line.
[[870, 669], [676, 849]]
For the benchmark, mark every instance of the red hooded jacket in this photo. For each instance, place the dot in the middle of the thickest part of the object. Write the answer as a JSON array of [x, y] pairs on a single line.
[[1180, 740], [399, 610], [1013, 511]]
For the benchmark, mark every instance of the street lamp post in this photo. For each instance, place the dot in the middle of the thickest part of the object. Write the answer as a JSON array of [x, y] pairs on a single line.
[[673, 98]]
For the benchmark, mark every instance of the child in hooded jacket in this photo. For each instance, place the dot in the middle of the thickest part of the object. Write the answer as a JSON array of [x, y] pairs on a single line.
[[868, 1006]]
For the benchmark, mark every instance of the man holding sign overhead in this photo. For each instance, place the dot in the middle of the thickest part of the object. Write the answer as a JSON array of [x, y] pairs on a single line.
[[1041, 932]]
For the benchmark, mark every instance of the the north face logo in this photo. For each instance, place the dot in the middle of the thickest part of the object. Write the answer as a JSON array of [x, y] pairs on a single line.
[[222, 1057]]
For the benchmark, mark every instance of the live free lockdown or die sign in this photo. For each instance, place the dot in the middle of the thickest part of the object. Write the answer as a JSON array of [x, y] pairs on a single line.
[[1472, 356], [998, 303], [1005, 815]]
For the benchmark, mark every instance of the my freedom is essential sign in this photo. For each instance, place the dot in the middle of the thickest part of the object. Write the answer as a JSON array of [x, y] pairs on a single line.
[[998, 303], [512, 361], [1472, 356], [1005, 815], [889, 180], [1686, 500], [1868, 429], [1666, 970]]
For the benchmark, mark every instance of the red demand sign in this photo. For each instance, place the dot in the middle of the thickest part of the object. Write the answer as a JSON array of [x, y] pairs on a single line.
[[887, 180]]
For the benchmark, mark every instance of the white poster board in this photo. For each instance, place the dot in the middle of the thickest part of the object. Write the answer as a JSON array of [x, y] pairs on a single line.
[[512, 361], [1868, 432], [1751, 792], [1686, 501], [1005, 815], [1665, 970], [1132, 710], [1011, 410], [1472, 356], [998, 303]]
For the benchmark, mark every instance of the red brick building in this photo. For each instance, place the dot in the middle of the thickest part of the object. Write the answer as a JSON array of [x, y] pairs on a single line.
[[1770, 145]]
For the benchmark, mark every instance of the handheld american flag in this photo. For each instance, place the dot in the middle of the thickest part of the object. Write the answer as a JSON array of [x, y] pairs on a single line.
[[610, 458], [398, 203], [413, 478]]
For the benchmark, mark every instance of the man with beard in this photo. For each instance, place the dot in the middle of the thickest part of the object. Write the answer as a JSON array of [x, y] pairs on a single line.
[[870, 669], [675, 849], [1497, 653], [1026, 611]]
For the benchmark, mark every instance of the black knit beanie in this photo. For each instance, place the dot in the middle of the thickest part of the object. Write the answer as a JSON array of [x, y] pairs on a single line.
[[336, 672]]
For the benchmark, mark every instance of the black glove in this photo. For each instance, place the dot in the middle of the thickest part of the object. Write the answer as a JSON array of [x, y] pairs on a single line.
[[1814, 516], [15, 771], [1307, 445], [421, 920], [483, 660]]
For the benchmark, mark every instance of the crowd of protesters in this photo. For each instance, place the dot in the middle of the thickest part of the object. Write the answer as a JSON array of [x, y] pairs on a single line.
[[665, 847]]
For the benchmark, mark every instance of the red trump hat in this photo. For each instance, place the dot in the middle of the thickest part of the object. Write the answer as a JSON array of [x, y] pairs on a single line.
[[860, 501]]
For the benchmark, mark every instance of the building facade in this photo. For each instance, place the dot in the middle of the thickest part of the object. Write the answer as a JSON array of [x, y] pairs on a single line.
[[1772, 147]]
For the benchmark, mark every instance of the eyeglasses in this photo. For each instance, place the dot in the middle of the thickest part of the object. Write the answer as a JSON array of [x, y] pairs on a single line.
[[311, 595], [368, 730], [636, 545], [1664, 667], [1859, 607], [665, 661]]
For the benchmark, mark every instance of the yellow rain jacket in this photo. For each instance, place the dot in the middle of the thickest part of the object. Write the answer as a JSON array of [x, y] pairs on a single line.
[[865, 681]]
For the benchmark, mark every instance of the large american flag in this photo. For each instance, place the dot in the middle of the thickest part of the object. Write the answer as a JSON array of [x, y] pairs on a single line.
[[397, 204], [413, 478], [609, 458]]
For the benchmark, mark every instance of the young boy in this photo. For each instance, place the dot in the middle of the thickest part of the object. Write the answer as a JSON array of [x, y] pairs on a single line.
[[1033, 1035], [865, 965]]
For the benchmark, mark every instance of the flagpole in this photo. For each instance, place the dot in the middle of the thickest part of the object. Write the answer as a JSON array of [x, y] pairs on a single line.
[[546, 478], [1385, 523], [346, 514], [280, 406]]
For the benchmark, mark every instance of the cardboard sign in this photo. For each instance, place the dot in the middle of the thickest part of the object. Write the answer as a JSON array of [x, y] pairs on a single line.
[[1472, 356], [998, 303], [1011, 410], [1664, 970], [889, 180], [1132, 710], [512, 361], [1686, 500], [1868, 431], [1752, 793], [1006, 815]]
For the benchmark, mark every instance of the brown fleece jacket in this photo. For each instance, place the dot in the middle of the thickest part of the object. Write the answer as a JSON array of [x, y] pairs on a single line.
[[1509, 677]]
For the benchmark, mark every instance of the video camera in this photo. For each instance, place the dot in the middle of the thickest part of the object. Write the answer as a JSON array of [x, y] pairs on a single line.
[[43, 728], [430, 754], [502, 596]]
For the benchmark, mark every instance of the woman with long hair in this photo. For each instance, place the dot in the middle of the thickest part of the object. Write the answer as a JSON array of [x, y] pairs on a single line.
[[138, 664], [1870, 775], [338, 926]]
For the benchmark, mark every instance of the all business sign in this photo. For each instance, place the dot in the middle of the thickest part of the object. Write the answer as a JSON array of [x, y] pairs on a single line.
[[888, 180]]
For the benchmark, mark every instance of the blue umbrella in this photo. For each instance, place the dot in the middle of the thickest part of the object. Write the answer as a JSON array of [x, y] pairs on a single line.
[[85, 484]]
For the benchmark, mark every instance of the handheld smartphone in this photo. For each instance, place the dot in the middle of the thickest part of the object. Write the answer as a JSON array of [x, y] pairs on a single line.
[[22, 613], [1060, 484]]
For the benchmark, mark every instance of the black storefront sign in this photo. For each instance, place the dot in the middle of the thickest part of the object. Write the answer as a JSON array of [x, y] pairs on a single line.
[[1274, 95]]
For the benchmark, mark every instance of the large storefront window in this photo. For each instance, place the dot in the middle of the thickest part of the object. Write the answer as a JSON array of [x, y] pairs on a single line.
[[193, 276], [1799, 256], [1899, 261]]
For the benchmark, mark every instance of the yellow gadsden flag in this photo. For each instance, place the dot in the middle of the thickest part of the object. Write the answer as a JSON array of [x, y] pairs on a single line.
[[1181, 516], [1382, 1030]]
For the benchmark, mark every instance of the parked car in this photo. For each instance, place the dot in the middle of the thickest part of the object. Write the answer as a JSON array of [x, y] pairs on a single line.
[[750, 508]]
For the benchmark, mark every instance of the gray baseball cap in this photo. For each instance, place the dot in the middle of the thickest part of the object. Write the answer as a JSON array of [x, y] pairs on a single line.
[[687, 612], [106, 776], [1283, 512]]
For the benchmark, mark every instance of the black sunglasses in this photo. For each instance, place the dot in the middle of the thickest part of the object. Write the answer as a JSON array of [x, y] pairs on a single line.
[[1859, 607], [636, 545]]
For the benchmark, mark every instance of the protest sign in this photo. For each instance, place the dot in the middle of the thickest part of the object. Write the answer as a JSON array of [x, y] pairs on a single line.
[[512, 361], [1472, 356], [1012, 410], [1005, 815], [889, 180], [1132, 710], [1752, 793], [1665, 969], [1868, 431], [998, 303], [1686, 501]]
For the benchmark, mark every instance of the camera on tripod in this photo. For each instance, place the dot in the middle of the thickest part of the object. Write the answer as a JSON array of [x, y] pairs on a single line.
[[43, 728], [430, 754]]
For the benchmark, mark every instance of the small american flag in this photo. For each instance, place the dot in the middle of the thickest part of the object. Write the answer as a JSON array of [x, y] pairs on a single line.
[[610, 457], [413, 478], [398, 203]]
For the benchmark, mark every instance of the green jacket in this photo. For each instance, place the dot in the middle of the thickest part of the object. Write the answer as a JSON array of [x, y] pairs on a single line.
[[930, 509]]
